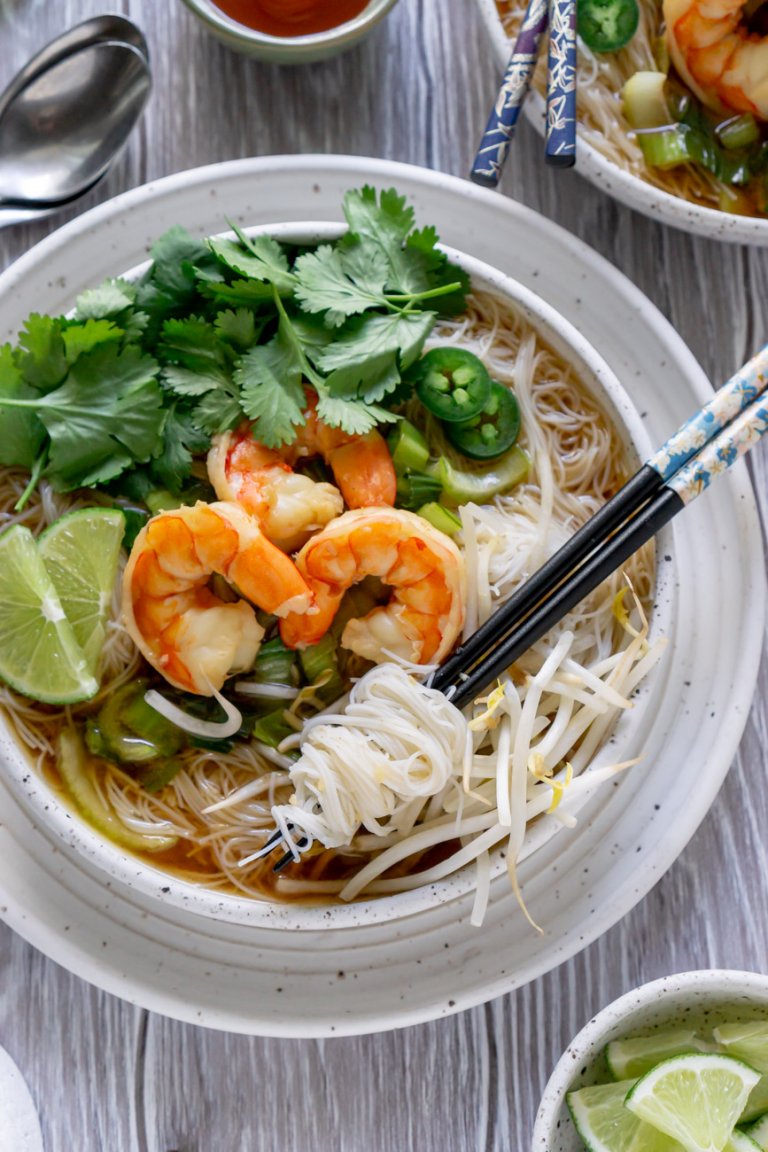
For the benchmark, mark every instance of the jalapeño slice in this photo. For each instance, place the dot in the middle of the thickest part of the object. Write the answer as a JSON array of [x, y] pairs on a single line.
[[492, 431], [607, 25], [452, 383]]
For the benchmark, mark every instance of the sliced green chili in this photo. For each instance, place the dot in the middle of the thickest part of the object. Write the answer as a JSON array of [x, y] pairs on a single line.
[[451, 383]]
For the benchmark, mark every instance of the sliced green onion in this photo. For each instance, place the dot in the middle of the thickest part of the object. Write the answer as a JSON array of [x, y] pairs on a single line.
[[666, 148], [738, 131], [275, 664], [272, 729], [207, 729], [153, 777], [441, 518], [75, 773], [318, 658], [417, 488], [128, 730], [491, 478], [161, 500], [408, 448]]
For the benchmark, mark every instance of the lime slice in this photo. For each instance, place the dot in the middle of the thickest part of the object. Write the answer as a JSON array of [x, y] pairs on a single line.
[[747, 1042], [606, 1125], [628, 1059], [757, 1103], [81, 552], [695, 1099], [759, 1132], [39, 654]]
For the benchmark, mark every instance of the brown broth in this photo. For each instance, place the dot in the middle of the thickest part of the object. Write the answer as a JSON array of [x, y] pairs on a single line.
[[291, 17]]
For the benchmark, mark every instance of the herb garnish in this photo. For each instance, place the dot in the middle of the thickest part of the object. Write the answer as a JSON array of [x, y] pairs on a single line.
[[143, 374]]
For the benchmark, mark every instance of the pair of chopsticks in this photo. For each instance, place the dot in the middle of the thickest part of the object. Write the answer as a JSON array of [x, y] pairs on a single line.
[[559, 16], [705, 446]]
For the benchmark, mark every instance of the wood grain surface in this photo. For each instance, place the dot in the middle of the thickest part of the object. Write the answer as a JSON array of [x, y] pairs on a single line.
[[108, 1076]]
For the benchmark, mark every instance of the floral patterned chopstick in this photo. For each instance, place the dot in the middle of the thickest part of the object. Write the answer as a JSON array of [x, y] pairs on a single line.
[[713, 439], [500, 129], [560, 139]]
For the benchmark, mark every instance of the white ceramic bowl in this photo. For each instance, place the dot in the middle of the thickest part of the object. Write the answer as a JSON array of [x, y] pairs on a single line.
[[289, 49], [698, 1000], [627, 738], [622, 185]]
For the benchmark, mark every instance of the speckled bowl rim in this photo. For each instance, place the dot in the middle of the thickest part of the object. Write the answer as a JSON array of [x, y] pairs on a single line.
[[625, 741], [623, 186], [699, 990]]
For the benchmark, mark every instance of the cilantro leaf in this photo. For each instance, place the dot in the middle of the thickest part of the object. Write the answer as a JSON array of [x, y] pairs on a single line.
[[259, 257], [108, 300], [182, 438], [324, 285], [245, 293], [363, 337], [238, 327], [81, 338], [191, 382], [21, 433], [106, 415], [41, 355], [271, 391], [192, 342], [370, 379], [381, 225], [440, 271], [353, 416], [218, 410]]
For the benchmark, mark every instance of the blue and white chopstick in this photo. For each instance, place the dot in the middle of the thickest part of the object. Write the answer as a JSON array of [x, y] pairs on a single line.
[[500, 129], [560, 138], [704, 447]]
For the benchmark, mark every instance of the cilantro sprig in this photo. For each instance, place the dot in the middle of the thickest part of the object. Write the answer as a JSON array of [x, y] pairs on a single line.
[[143, 373]]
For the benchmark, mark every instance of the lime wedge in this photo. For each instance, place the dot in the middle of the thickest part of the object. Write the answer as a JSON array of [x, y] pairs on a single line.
[[606, 1125], [628, 1059], [757, 1103], [39, 654], [759, 1132], [747, 1042], [81, 551], [695, 1099]]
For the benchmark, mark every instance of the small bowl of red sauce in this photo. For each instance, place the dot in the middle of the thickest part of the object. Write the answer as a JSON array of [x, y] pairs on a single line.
[[290, 31]]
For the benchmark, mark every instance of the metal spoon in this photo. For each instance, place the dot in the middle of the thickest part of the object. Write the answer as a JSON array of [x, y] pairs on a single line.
[[65, 116]]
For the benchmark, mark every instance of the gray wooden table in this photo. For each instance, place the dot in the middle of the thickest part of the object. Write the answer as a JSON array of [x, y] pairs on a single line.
[[108, 1076]]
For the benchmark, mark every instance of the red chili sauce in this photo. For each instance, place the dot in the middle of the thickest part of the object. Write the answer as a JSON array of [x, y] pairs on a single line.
[[291, 17]]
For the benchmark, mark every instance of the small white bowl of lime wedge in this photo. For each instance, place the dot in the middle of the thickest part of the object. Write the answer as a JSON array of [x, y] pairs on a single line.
[[610, 1089]]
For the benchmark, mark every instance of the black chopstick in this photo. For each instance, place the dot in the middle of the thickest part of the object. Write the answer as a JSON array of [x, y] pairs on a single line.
[[708, 443]]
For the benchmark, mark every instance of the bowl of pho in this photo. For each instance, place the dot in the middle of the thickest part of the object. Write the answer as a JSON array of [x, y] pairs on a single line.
[[672, 111], [325, 455]]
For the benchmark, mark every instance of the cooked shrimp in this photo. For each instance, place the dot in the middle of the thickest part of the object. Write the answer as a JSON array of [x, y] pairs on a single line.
[[722, 63], [423, 566], [290, 506], [190, 635], [361, 465]]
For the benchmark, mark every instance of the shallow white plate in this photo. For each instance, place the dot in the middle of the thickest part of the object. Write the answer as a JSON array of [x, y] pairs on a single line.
[[256, 979], [622, 185]]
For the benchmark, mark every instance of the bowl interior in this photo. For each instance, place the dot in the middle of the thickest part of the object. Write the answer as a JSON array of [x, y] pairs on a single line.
[[623, 185], [79, 840], [689, 1000]]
